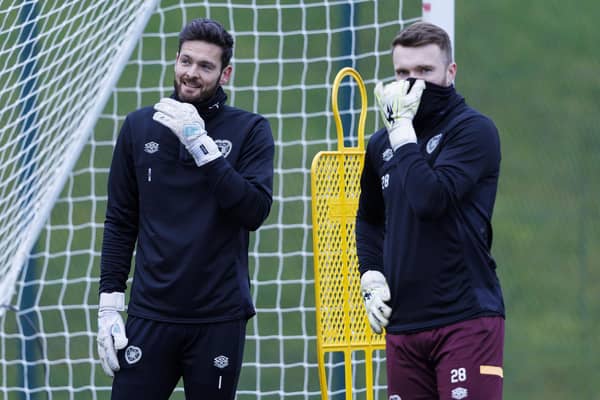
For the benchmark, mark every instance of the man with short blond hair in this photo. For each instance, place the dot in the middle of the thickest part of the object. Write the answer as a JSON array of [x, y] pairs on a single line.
[[424, 233]]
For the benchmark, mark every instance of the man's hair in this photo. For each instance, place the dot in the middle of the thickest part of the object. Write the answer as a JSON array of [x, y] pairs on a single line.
[[422, 34], [210, 31]]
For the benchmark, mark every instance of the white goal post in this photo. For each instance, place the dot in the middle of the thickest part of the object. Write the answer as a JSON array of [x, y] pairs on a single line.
[[54, 90], [71, 70], [441, 13]]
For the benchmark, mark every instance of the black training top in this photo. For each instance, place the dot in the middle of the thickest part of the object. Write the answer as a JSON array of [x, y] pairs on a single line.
[[424, 217], [191, 223]]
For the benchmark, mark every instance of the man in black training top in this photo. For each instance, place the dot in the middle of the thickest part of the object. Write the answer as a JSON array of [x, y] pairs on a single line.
[[423, 229], [190, 178]]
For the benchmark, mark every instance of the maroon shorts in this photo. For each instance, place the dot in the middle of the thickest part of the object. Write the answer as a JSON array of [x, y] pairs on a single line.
[[454, 362]]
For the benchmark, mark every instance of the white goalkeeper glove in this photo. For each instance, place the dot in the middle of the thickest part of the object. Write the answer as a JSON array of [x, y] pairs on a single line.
[[376, 292], [111, 330], [184, 121], [398, 104]]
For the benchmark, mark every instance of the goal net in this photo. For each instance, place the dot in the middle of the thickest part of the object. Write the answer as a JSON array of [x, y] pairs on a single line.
[[71, 71]]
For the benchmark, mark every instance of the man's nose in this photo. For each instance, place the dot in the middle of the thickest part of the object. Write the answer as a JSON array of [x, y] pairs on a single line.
[[193, 72]]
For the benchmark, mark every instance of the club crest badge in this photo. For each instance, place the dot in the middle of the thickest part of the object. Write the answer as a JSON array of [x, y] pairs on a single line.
[[433, 143], [133, 354], [224, 146], [387, 154], [459, 393], [151, 147], [221, 361]]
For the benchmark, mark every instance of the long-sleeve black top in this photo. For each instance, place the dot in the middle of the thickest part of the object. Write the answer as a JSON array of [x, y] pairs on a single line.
[[191, 223], [424, 218]]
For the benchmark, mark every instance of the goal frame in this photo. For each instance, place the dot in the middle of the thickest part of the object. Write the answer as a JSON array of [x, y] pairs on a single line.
[[44, 208]]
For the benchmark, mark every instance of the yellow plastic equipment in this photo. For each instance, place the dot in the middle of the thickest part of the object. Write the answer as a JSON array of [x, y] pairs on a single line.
[[342, 324]]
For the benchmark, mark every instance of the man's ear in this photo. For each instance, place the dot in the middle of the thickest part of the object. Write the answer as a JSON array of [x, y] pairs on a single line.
[[450, 74], [225, 75]]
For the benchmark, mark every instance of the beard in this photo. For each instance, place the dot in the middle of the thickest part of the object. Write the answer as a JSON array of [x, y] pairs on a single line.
[[206, 92]]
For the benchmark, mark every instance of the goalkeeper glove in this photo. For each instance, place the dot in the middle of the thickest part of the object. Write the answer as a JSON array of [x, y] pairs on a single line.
[[398, 103], [184, 121], [111, 330], [376, 292]]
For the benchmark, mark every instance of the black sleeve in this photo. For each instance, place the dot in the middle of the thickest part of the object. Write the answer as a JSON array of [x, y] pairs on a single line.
[[469, 154], [246, 191], [370, 220], [121, 223]]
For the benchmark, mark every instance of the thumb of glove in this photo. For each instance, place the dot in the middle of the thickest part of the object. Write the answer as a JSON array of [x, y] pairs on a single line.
[[385, 293], [118, 333]]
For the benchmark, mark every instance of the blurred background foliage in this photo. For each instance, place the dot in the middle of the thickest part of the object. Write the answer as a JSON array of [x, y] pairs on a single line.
[[533, 66]]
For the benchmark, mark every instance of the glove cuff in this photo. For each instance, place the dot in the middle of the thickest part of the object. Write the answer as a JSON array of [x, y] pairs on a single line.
[[204, 150], [206, 159], [402, 132], [114, 301]]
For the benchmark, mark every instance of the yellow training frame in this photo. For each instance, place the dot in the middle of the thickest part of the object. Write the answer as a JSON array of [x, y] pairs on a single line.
[[342, 324]]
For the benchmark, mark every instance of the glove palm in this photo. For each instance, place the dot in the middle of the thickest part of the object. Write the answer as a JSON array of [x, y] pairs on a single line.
[[188, 126]]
